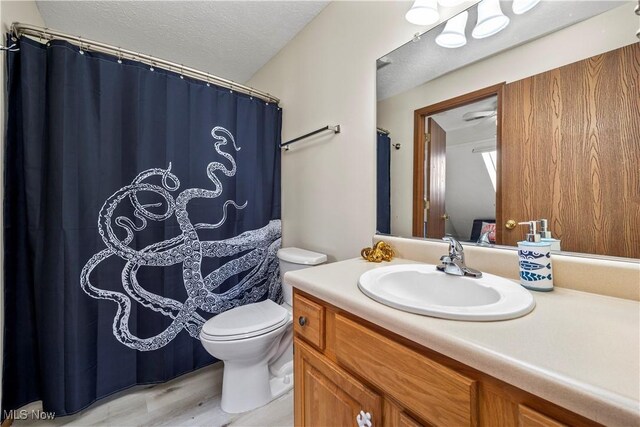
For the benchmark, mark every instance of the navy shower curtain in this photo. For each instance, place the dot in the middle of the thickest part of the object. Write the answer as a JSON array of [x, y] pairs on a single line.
[[138, 204], [383, 183]]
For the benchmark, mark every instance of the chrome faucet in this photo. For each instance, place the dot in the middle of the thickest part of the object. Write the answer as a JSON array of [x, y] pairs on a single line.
[[484, 240], [454, 262]]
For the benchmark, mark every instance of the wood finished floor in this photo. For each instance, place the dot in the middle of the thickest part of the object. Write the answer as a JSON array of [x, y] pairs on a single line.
[[190, 400]]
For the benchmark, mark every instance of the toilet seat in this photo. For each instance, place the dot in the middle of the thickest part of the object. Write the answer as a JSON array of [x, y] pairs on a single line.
[[246, 321]]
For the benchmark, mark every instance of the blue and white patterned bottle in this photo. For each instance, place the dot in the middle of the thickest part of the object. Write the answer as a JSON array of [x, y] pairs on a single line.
[[534, 257]]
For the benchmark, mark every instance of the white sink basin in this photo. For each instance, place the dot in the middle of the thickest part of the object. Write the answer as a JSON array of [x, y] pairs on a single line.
[[421, 289]]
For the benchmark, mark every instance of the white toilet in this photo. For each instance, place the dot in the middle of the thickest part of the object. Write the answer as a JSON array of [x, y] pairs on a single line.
[[255, 342]]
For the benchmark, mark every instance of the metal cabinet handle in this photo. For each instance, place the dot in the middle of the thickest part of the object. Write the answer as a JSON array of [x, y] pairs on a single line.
[[302, 320]]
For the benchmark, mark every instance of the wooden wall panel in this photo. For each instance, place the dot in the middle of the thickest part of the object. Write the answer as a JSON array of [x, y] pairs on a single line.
[[571, 146]]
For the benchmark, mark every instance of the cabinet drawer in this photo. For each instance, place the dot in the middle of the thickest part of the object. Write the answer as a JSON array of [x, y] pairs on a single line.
[[527, 417], [308, 320], [432, 391]]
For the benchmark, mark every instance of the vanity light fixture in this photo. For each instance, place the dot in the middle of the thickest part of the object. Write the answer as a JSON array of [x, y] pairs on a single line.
[[523, 6], [491, 20], [423, 12], [453, 35], [383, 62]]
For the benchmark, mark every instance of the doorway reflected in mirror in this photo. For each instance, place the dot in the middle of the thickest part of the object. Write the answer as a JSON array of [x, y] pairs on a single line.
[[465, 137]]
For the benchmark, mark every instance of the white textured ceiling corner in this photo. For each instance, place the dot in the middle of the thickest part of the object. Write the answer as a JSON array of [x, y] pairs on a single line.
[[230, 39]]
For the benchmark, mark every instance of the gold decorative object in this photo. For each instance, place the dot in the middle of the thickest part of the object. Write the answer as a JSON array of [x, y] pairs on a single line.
[[380, 252]]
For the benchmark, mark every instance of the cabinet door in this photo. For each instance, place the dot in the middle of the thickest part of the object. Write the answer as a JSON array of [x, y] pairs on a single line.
[[394, 416], [406, 421], [530, 418], [326, 396]]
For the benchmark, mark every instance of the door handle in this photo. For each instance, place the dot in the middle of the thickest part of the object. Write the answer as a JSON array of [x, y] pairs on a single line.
[[510, 224], [445, 217]]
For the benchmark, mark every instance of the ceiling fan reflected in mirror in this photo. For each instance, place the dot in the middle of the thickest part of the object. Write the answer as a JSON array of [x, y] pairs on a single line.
[[482, 117]]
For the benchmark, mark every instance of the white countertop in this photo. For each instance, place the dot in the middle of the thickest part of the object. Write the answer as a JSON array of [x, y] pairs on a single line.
[[578, 350]]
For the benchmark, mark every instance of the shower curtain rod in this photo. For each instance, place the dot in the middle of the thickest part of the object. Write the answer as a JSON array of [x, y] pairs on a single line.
[[18, 29]]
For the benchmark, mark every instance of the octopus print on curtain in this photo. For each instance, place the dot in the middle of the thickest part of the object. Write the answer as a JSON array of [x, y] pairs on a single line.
[[138, 204]]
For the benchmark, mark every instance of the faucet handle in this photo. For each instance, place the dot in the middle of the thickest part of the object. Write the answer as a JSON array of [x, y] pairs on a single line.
[[455, 248]]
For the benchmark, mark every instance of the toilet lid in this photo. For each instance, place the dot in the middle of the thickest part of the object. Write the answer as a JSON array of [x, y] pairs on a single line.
[[246, 321], [301, 256]]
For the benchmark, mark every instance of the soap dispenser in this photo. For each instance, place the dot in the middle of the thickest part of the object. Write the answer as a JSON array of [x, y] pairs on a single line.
[[534, 257], [545, 236]]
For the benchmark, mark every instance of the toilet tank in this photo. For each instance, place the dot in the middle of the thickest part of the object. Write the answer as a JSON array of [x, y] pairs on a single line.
[[295, 259]]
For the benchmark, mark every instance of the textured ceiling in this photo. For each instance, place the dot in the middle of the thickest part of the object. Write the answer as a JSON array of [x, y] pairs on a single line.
[[460, 131], [418, 62], [230, 39]]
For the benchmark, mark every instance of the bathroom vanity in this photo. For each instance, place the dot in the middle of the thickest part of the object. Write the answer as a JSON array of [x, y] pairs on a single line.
[[569, 362]]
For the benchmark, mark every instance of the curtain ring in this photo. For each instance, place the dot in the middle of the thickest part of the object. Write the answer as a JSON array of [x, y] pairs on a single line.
[[151, 67], [231, 87], [208, 84], [80, 41], [44, 34], [14, 33], [119, 56], [182, 71]]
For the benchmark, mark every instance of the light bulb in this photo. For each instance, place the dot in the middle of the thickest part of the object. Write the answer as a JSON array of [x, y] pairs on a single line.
[[449, 3], [423, 12], [453, 34], [491, 20], [523, 6]]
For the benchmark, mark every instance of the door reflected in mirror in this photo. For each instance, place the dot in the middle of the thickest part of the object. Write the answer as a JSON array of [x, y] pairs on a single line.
[[460, 172]]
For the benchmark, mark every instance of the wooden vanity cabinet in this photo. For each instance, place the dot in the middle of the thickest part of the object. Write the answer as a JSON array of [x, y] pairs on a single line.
[[346, 367], [330, 396]]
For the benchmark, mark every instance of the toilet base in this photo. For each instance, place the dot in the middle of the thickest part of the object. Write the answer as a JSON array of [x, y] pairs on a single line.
[[281, 385], [246, 389]]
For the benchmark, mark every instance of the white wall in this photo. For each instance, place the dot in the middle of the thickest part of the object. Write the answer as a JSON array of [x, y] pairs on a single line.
[[10, 11], [327, 75], [469, 192], [594, 36]]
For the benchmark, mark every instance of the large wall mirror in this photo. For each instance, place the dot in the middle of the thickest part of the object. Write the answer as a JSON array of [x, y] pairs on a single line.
[[540, 120]]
